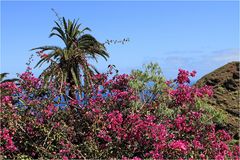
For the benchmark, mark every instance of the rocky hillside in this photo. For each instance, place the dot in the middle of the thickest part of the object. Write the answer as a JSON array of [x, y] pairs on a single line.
[[226, 86]]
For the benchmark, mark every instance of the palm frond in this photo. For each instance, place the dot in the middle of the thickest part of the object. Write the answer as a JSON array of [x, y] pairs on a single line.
[[3, 75], [10, 80], [45, 48]]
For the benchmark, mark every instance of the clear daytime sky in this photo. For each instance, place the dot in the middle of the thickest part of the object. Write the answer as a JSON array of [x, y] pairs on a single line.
[[199, 36]]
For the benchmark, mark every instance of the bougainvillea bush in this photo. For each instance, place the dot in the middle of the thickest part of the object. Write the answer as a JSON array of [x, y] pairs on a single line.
[[118, 119]]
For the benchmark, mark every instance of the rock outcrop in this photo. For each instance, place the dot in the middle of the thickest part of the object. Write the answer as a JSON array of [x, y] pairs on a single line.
[[226, 86]]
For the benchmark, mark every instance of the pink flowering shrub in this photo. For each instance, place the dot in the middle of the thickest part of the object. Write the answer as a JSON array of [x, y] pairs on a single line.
[[7, 145], [186, 94], [31, 124], [121, 131], [111, 122]]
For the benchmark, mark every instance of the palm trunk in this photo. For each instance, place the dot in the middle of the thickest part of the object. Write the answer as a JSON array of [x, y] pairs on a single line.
[[87, 88], [71, 92]]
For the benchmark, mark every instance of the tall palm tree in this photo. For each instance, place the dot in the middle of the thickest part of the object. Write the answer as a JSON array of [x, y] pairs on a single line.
[[69, 64]]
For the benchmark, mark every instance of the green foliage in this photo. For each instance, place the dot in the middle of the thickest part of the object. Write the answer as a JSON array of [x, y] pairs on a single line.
[[149, 82], [211, 114], [24, 157], [151, 85], [220, 90]]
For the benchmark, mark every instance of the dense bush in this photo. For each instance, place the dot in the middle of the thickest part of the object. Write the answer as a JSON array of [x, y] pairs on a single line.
[[133, 116]]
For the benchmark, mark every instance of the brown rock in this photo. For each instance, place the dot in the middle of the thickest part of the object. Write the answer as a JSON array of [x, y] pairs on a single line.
[[226, 86]]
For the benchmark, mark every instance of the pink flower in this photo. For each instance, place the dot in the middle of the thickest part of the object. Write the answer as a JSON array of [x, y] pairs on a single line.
[[219, 157], [102, 134], [202, 156], [136, 158], [50, 110], [168, 82], [7, 139], [197, 144], [182, 76], [193, 73], [64, 157], [73, 102], [6, 99], [223, 135], [179, 145]]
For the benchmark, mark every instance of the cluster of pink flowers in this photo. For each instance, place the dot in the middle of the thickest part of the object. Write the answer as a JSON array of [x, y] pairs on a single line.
[[150, 136], [6, 141], [183, 76], [28, 80], [10, 88], [111, 122], [50, 110], [6, 100], [184, 93], [179, 145]]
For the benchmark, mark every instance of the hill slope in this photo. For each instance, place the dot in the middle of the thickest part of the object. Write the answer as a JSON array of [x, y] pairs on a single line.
[[226, 86]]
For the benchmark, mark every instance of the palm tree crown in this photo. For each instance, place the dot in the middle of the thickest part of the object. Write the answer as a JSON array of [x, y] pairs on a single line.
[[68, 63]]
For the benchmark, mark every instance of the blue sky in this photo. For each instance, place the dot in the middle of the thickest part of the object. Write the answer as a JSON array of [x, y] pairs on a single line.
[[199, 36]]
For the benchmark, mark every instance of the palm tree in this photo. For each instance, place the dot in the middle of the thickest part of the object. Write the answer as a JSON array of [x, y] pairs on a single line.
[[69, 64]]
